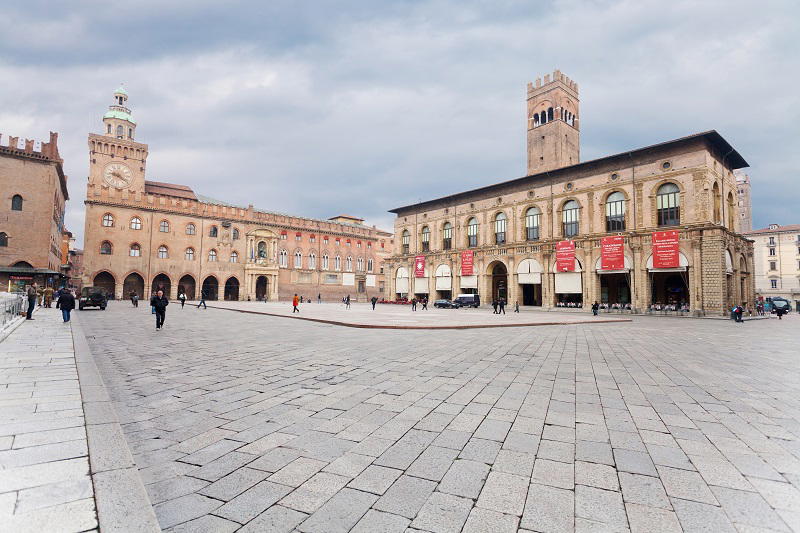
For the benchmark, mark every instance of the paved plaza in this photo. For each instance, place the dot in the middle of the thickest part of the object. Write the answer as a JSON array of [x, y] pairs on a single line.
[[246, 422]]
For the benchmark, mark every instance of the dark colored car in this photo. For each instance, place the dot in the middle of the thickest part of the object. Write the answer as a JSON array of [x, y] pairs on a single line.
[[446, 304], [468, 300], [93, 297], [781, 303]]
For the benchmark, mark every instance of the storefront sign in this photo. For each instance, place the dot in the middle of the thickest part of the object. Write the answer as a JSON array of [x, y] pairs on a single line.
[[665, 250], [419, 266], [21, 277], [612, 253], [565, 256], [466, 263]]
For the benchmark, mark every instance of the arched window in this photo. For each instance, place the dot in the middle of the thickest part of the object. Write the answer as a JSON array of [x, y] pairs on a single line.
[[500, 228], [348, 264], [108, 129], [370, 265], [717, 204], [615, 212], [360, 264], [213, 232], [325, 262], [668, 203], [406, 241], [163, 253], [312, 261], [262, 250], [569, 218], [190, 229], [337, 263], [731, 209], [16, 203], [283, 259], [532, 220], [120, 132], [447, 236], [163, 226], [472, 232], [105, 248], [542, 118], [549, 114], [108, 220], [298, 259], [426, 239], [130, 133], [235, 234], [3, 239], [135, 250], [234, 257], [212, 256], [189, 254], [136, 223]]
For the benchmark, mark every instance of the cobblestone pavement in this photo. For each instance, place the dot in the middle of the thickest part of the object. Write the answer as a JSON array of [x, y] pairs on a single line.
[[256, 423], [44, 464]]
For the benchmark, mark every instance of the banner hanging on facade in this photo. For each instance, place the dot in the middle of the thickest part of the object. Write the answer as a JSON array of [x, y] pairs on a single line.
[[419, 266], [612, 253], [666, 250], [466, 263], [565, 256]]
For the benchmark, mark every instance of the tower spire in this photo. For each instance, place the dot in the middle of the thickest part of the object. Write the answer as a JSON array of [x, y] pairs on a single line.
[[118, 120]]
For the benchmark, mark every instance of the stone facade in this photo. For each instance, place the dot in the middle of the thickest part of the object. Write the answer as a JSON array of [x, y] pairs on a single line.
[[777, 262], [616, 195], [141, 235], [32, 202]]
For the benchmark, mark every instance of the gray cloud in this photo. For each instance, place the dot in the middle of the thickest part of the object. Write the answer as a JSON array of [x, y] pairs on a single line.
[[358, 107]]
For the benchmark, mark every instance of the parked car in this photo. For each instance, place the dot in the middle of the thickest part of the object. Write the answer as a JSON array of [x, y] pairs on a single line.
[[93, 297], [781, 303], [446, 304], [468, 300]]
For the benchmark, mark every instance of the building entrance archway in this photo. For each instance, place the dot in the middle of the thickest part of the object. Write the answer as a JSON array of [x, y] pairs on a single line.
[[162, 282], [186, 285], [106, 281], [499, 274], [133, 283], [262, 287], [231, 289], [211, 288]]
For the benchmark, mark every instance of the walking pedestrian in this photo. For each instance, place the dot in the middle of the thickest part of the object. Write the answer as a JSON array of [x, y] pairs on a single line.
[[780, 311], [413, 304], [31, 300], [516, 306], [48, 297], [57, 295], [66, 302], [424, 304], [159, 302], [295, 303], [502, 304], [182, 298], [494, 306], [595, 308], [134, 299], [347, 302], [319, 298], [301, 299], [152, 307], [203, 299], [374, 300]]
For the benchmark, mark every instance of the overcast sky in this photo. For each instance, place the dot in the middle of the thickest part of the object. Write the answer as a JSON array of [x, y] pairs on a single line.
[[320, 108]]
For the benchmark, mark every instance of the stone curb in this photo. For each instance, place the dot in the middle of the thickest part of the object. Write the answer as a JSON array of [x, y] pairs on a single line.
[[120, 497], [466, 326]]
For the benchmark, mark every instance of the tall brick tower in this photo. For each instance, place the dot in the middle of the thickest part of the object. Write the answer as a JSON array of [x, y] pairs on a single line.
[[553, 127]]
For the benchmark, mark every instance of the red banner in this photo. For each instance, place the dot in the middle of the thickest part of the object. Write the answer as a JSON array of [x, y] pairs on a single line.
[[466, 263], [612, 253], [565, 256], [665, 249], [419, 266]]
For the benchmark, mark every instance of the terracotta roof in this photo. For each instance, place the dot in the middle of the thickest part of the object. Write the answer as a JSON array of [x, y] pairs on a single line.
[[790, 227], [169, 189], [733, 159]]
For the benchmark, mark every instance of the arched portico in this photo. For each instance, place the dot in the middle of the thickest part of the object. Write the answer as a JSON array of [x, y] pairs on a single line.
[[497, 281]]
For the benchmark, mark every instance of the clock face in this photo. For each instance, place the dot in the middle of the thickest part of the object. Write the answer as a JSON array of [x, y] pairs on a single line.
[[117, 175]]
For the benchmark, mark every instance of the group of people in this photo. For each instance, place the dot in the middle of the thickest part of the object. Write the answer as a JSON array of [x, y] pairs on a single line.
[[422, 301], [682, 307], [64, 297], [570, 304]]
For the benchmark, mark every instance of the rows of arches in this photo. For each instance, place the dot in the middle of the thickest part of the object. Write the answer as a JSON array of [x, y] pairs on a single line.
[[134, 283]]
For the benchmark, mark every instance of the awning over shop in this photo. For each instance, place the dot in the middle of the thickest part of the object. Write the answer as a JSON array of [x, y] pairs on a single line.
[[683, 263], [29, 271], [529, 272], [568, 283], [401, 284], [628, 267], [469, 282], [444, 278], [420, 285]]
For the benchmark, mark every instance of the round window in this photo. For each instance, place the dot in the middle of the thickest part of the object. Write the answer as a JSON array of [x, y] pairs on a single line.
[[666, 165]]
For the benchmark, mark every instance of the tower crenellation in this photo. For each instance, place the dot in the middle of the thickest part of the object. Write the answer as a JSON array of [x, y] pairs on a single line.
[[553, 123]]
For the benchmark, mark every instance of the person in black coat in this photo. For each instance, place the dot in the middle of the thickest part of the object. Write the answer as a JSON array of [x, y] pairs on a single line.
[[159, 302], [66, 302]]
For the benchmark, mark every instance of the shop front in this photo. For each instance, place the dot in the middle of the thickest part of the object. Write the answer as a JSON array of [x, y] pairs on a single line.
[[529, 279], [444, 283]]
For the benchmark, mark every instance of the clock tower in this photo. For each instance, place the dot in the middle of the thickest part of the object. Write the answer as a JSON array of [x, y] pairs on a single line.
[[115, 159]]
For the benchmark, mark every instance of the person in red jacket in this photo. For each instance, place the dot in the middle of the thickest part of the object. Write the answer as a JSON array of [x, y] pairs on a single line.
[[295, 302]]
